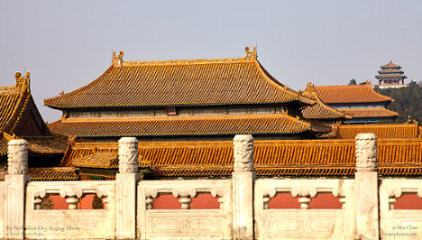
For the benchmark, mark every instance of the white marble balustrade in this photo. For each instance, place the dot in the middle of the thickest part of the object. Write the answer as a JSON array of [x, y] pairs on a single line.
[[399, 223], [303, 223], [184, 223], [72, 222]]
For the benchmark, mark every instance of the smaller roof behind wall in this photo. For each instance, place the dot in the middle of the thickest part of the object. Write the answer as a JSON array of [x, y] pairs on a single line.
[[53, 174], [319, 110], [350, 94], [369, 113], [382, 131], [275, 158]]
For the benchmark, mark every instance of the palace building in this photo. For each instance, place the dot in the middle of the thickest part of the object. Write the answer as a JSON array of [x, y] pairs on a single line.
[[391, 76], [359, 103], [203, 99], [185, 113], [20, 119], [198, 101]]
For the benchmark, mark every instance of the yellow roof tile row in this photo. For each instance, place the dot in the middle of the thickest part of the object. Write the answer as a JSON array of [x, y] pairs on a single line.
[[369, 113], [350, 94], [319, 110], [185, 126], [272, 157], [383, 131], [53, 174]]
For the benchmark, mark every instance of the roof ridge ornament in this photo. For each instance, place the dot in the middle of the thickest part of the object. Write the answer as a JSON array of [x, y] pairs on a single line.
[[251, 53], [117, 61], [310, 87], [22, 83], [309, 91]]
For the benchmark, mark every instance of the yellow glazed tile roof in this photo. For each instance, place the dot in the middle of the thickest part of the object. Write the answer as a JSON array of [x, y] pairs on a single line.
[[398, 157], [350, 94], [12, 105], [15, 102], [390, 65], [369, 113], [53, 174], [185, 126], [384, 76], [179, 82], [386, 131], [37, 145], [319, 110]]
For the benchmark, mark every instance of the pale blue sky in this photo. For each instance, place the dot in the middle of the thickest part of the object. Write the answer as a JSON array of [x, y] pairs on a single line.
[[67, 44]]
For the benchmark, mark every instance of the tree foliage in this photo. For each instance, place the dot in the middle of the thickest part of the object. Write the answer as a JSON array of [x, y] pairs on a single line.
[[352, 82], [407, 101]]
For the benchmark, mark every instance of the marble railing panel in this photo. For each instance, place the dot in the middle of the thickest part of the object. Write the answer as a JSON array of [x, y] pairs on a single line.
[[2, 204], [70, 223], [303, 223], [399, 223], [184, 223]]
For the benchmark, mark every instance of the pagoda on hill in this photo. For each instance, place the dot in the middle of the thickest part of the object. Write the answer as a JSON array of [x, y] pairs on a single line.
[[391, 76]]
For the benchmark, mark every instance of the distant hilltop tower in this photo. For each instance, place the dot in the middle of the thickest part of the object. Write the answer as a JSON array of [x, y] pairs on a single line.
[[391, 76]]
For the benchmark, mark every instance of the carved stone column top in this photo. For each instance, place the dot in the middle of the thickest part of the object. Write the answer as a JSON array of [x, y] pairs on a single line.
[[17, 157], [366, 136], [128, 155], [366, 152], [243, 153], [128, 140]]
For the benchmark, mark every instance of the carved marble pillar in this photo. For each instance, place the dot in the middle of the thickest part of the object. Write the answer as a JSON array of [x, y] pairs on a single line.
[[304, 201], [126, 181], [366, 187], [73, 202], [185, 201], [266, 200], [149, 200], [38, 202], [15, 180], [243, 186]]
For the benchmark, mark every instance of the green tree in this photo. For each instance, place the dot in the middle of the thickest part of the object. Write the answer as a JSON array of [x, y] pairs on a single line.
[[407, 101], [352, 82]]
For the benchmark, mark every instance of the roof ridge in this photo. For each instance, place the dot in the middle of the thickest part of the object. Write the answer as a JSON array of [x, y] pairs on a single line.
[[273, 81], [184, 61], [344, 86], [47, 100], [18, 111]]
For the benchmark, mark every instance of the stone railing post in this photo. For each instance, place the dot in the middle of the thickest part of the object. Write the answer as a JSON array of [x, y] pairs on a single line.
[[243, 186], [126, 181], [15, 180], [366, 187]]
